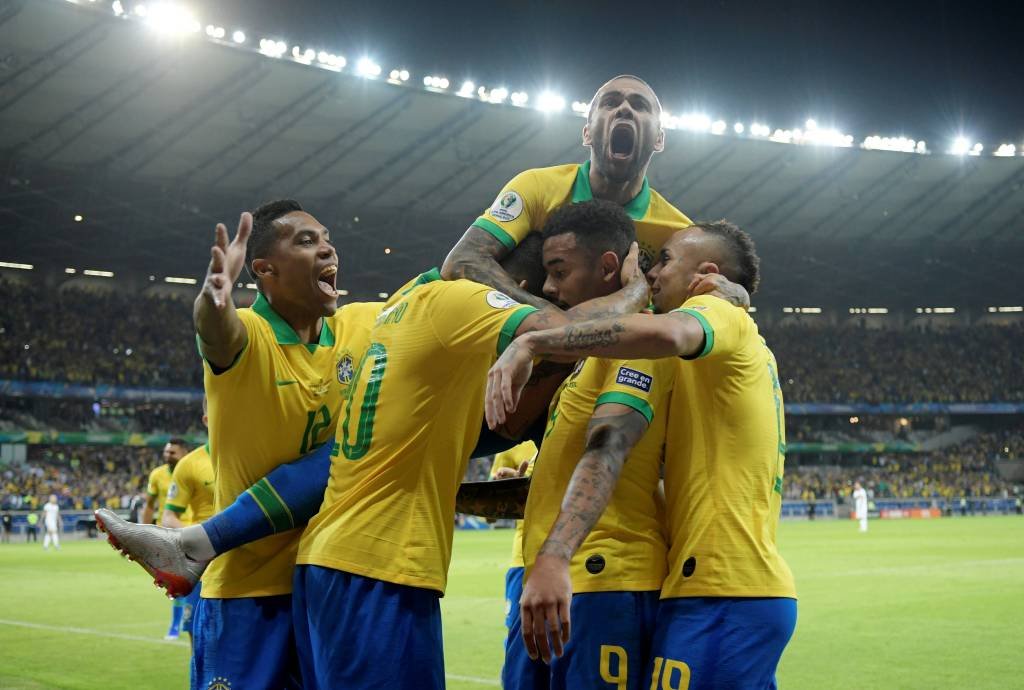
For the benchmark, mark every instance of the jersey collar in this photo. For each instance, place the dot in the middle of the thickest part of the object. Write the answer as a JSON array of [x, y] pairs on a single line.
[[636, 208], [422, 279], [283, 332]]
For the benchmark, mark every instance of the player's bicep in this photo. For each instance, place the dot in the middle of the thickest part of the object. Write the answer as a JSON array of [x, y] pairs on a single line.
[[618, 426], [475, 250], [693, 336]]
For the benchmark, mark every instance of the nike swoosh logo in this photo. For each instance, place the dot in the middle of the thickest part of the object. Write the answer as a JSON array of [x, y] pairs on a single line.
[[285, 383], [207, 483]]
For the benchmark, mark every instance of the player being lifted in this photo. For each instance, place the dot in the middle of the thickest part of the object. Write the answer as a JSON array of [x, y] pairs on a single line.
[[724, 456], [623, 132]]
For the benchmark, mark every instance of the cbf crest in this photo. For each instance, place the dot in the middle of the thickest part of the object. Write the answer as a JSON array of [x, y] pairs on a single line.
[[346, 368]]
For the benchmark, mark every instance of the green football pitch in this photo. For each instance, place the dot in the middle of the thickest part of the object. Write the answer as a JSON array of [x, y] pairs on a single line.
[[912, 604]]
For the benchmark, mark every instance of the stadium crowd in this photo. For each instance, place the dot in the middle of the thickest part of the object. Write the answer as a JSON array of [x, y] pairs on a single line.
[[89, 338]]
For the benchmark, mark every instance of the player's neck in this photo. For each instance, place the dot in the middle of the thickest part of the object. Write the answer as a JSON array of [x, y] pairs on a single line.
[[305, 322], [618, 192]]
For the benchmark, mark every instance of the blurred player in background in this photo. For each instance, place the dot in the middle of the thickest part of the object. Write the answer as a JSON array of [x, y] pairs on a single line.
[[7, 522], [190, 500], [860, 505], [51, 521], [728, 603], [32, 530], [623, 132], [156, 497]]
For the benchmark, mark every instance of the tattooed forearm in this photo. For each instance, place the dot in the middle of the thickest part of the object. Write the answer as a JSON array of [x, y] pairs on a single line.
[[584, 338], [495, 500], [610, 439], [475, 257]]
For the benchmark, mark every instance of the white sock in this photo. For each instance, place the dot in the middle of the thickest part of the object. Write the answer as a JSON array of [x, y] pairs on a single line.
[[196, 544]]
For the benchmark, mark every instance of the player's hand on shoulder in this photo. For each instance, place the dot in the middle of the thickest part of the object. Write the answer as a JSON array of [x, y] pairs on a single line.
[[227, 259], [505, 382], [544, 607], [717, 285]]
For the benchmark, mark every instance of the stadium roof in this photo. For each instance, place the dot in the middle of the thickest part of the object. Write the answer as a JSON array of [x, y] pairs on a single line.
[[151, 139]]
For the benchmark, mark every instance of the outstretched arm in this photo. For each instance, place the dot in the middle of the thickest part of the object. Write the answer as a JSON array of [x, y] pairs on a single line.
[[614, 430], [222, 336]]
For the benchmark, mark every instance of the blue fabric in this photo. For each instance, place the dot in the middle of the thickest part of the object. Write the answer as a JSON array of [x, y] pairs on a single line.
[[724, 643], [188, 608], [358, 632], [244, 643], [300, 484], [610, 641], [519, 672], [176, 613]]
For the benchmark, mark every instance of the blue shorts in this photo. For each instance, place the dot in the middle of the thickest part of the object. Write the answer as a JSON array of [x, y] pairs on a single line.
[[188, 605], [519, 672], [358, 632], [706, 643], [244, 643]]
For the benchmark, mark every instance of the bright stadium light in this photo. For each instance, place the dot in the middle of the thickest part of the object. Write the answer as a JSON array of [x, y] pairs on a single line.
[[1006, 150], [811, 124], [718, 127], [365, 67], [11, 264], [467, 89], [251, 286], [960, 146], [238, 37], [759, 130], [343, 292], [70, 270], [272, 48], [738, 128], [382, 295], [977, 149], [435, 82], [79, 217], [519, 98], [550, 102], [117, 8], [168, 18], [498, 95], [697, 122], [98, 274], [140, 10], [180, 281], [215, 31]]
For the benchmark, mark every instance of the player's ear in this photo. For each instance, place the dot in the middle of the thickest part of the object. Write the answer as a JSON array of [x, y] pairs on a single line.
[[659, 143], [708, 267], [261, 268], [586, 135], [610, 266]]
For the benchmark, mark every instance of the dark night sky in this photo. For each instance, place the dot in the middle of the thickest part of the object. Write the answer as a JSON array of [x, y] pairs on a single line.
[[923, 69]]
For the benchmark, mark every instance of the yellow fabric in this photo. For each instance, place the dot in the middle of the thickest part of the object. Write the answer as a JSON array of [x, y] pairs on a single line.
[[159, 483], [628, 536], [524, 204], [513, 458], [724, 461], [275, 404], [191, 491], [406, 434]]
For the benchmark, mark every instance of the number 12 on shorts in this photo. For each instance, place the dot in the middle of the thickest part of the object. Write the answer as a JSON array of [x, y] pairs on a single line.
[[665, 670]]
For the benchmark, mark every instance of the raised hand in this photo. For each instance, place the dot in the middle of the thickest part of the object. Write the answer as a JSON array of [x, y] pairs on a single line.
[[226, 261]]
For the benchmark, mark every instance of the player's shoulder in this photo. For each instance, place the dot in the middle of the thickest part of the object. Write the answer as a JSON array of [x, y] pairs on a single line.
[[552, 179], [355, 314], [664, 212], [159, 470]]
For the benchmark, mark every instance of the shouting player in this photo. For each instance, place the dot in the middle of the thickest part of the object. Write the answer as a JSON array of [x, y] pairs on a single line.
[[728, 603], [623, 132]]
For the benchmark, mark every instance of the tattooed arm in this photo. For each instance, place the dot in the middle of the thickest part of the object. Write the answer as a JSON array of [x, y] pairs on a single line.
[[544, 605], [476, 256], [635, 336]]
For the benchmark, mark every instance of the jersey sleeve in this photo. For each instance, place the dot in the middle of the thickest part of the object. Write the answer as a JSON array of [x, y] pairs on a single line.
[[248, 319], [470, 317], [516, 211], [179, 494], [642, 384], [153, 489], [725, 325]]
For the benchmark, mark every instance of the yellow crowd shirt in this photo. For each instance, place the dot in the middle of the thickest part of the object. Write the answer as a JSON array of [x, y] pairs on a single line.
[[724, 462], [626, 549], [159, 483], [513, 458], [407, 430], [525, 203], [191, 492], [277, 402]]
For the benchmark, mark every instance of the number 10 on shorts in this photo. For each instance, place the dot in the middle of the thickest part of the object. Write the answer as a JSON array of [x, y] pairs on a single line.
[[674, 675]]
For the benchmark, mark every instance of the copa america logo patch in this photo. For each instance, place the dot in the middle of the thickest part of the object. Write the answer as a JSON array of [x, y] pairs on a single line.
[[345, 370], [634, 379], [507, 206], [499, 300], [172, 492]]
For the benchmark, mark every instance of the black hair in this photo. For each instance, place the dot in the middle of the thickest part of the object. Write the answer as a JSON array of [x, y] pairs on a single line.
[[599, 226], [745, 266], [524, 263], [263, 234], [177, 441]]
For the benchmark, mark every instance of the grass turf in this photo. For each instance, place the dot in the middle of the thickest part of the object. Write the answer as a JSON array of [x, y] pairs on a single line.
[[912, 604]]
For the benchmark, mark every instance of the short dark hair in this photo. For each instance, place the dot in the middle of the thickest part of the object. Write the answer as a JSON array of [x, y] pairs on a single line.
[[600, 226], [263, 234], [746, 265], [178, 441], [524, 263]]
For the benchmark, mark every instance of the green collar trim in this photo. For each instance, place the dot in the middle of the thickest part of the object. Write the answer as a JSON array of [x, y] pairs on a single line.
[[636, 208], [424, 278], [207, 447], [283, 332]]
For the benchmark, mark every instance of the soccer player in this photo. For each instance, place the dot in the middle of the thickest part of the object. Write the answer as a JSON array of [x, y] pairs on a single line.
[[156, 497], [51, 521], [376, 555], [623, 132], [860, 503], [32, 530], [190, 500], [8, 525], [160, 480], [728, 603]]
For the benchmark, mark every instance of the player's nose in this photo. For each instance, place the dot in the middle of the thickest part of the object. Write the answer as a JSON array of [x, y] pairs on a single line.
[[549, 289]]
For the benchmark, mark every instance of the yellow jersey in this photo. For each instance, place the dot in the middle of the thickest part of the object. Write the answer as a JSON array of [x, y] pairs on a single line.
[[407, 429], [191, 492], [525, 203], [626, 549], [159, 483], [724, 461], [277, 402], [513, 458]]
